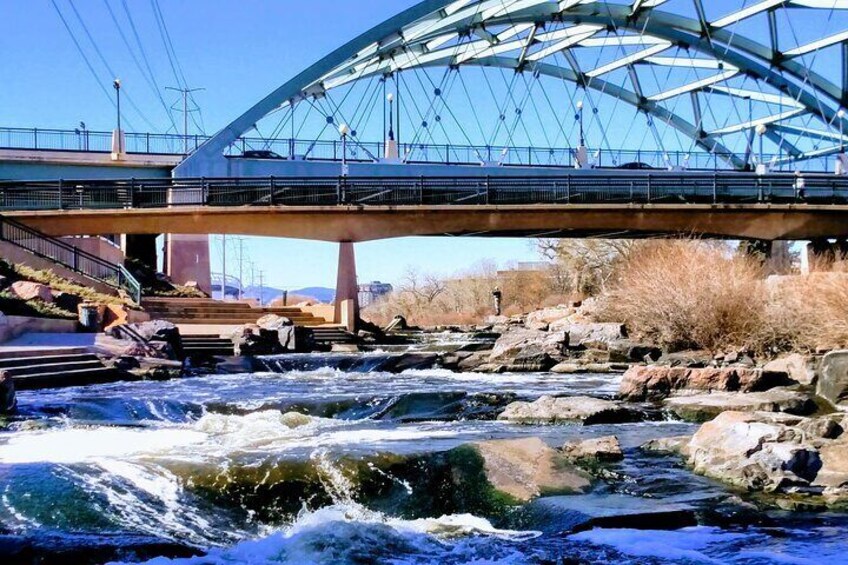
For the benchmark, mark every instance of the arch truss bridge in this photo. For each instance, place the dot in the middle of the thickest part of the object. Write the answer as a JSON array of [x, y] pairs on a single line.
[[670, 83]]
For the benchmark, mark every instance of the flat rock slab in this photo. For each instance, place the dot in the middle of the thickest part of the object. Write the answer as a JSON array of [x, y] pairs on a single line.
[[572, 409], [571, 514], [526, 468], [704, 407], [656, 382]]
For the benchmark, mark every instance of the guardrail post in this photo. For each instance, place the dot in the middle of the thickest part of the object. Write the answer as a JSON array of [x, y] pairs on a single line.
[[35, 138], [715, 188], [131, 203], [488, 189], [147, 142], [649, 187], [61, 194], [271, 188], [568, 189], [421, 189], [204, 191], [75, 259]]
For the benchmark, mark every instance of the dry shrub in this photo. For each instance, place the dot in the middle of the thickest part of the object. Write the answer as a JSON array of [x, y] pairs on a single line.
[[808, 312], [688, 294], [466, 298]]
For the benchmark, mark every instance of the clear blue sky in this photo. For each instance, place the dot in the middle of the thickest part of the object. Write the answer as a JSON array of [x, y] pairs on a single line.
[[238, 52]]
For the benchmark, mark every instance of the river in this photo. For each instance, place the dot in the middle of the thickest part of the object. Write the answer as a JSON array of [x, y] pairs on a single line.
[[217, 470]]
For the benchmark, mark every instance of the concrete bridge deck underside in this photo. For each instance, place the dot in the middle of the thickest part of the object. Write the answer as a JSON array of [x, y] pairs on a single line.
[[365, 223]]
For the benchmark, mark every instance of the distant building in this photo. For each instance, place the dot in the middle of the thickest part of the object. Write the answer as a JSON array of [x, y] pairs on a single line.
[[526, 267], [371, 292]]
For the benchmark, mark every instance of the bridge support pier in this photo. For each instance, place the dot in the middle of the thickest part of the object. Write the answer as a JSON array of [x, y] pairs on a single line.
[[187, 259], [820, 254], [347, 291], [140, 248]]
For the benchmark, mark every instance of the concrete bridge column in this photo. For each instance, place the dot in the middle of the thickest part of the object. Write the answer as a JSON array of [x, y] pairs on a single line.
[[187, 259], [347, 291], [821, 253]]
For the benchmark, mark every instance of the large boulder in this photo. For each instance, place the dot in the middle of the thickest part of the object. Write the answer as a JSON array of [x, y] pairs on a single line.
[[796, 366], [776, 453], [704, 407], [579, 409], [8, 403], [154, 338], [586, 334], [28, 290], [517, 340], [655, 382], [526, 468], [542, 319], [833, 377], [595, 450], [273, 322]]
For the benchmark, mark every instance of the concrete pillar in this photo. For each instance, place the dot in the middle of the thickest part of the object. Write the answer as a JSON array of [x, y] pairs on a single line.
[[759, 249], [140, 248], [188, 260], [822, 253], [347, 291]]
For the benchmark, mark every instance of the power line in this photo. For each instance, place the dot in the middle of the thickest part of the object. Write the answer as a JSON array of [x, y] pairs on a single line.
[[85, 58], [106, 64], [150, 78], [173, 60], [186, 92]]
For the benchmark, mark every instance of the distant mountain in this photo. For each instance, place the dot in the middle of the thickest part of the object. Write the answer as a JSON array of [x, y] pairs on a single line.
[[319, 293], [269, 293]]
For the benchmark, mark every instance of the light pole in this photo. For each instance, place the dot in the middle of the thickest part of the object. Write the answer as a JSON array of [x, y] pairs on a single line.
[[841, 159], [582, 153], [117, 85], [344, 131], [580, 120], [761, 132], [391, 145]]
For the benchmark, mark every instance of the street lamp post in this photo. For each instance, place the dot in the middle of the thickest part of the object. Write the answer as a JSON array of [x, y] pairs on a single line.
[[391, 152], [118, 134], [344, 131], [841, 159], [582, 153], [761, 130]]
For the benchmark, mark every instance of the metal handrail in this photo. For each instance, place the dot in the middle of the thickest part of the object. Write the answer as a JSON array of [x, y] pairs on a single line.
[[70, 257], [593, 187], [364, 151]]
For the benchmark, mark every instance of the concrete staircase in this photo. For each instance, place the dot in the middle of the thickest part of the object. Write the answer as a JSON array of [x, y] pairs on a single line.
[[205, 311], [207, 346], [329, 336], [31, 371]]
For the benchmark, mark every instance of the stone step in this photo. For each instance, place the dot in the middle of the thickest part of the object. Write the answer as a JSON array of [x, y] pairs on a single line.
[[28, 361], [62, 379], [219, 308], [58, 368], [237, 321], [22, 352]]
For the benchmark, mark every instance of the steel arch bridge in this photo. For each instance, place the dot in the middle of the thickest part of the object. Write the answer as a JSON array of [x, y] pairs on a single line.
[[733, 81]]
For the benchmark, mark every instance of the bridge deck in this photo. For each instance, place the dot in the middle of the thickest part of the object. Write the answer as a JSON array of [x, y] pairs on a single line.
[[358, 209]]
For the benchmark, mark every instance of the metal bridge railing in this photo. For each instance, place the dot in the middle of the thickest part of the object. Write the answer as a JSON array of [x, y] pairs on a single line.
[[586, 188], [70, 257], [366, 151]]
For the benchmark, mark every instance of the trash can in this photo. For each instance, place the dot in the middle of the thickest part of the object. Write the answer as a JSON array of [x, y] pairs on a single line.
[[88, 318]]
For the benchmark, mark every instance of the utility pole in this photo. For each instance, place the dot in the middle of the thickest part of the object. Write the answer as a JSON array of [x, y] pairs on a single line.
[[224, 267], [262, 288], [185, 92], [241, 268]]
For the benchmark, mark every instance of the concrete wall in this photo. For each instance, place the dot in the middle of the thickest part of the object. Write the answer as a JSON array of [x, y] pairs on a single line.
[[45, 171], [99, 246], [16, 326]]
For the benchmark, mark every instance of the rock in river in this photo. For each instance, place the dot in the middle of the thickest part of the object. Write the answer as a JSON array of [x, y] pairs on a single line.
[[8, 404], [519, 341], [550, 410], [770, 452], [833, 378], [704, 407], [600, 450], [526, 468], [656, 382]]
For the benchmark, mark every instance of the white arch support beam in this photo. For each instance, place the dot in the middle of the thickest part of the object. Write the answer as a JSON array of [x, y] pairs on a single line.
[[537, 36]]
